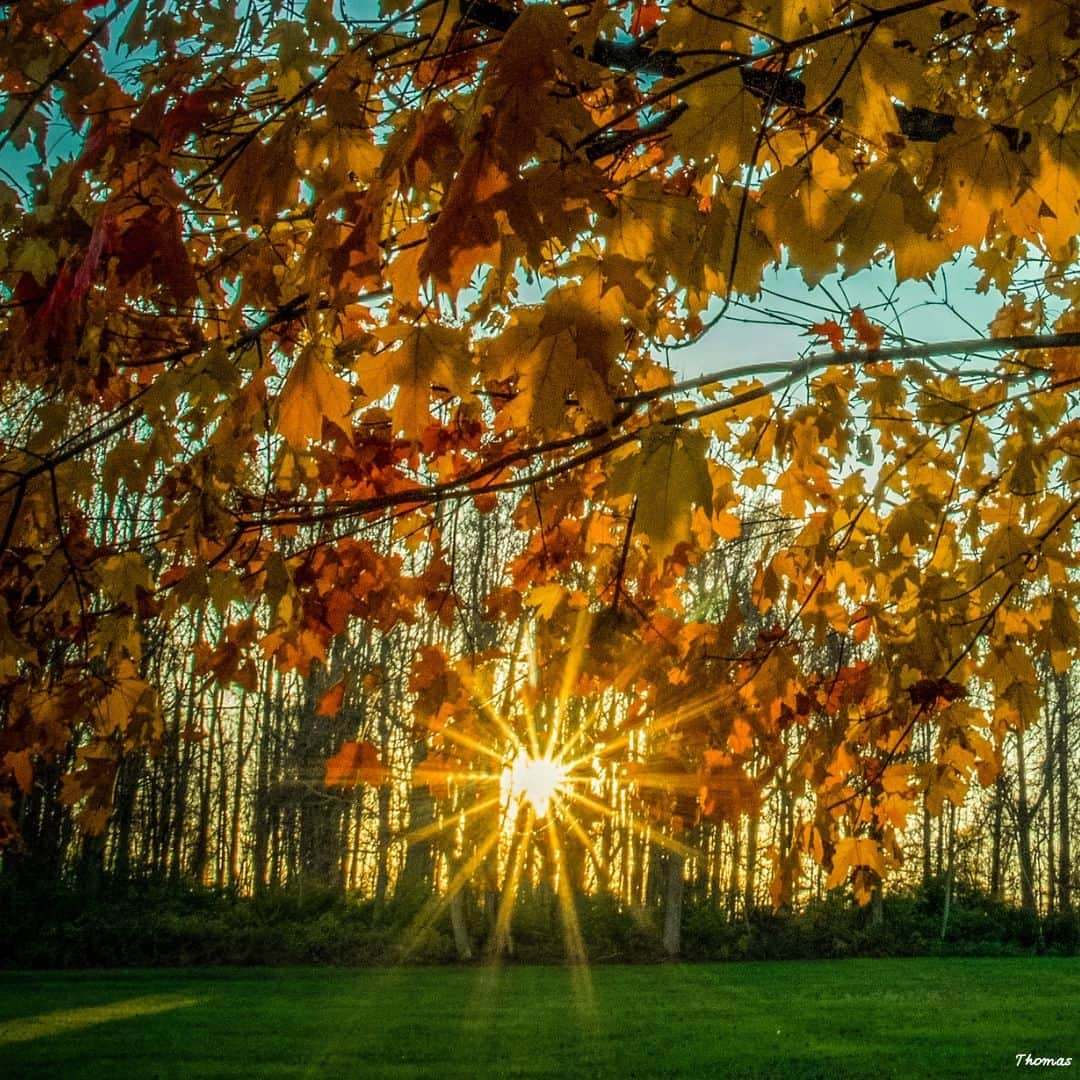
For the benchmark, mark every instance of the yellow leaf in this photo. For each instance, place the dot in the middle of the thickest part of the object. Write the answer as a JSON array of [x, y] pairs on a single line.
[[421, 364], [721, 123], [313, 392], [851, 852], [262, 179], [868, 75], [560, 354], [670, 476], [545, 598], [803, 206], [18, 761]]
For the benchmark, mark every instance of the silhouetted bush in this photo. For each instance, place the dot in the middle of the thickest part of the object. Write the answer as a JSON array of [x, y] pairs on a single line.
[[158, 924]]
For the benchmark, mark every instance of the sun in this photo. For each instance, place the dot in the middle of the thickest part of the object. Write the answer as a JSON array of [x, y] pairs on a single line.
[[537, 780]]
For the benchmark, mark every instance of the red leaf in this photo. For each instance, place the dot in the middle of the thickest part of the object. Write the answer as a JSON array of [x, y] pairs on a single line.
[[850, 686], [355, 763], [832, 331], [866, 332], [646, 18]]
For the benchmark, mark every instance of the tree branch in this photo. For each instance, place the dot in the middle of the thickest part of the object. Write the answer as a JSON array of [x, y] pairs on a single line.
[[599, 441]]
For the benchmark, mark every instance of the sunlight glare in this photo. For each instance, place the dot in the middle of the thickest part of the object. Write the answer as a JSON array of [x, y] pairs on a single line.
[[536, 780]]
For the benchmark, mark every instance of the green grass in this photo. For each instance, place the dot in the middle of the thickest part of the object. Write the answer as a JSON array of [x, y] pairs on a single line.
[[831, 1019]]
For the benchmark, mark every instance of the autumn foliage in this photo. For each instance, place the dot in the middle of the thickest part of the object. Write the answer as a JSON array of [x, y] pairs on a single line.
[[302, 289]]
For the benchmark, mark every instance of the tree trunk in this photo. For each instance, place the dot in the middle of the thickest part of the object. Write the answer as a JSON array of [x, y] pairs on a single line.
[[127, 783], [1023, 831], [749, 899], [949, 872], [1064, 853], [733, 879], [674, 887], [996, 876], [927, 866], [458, 924]]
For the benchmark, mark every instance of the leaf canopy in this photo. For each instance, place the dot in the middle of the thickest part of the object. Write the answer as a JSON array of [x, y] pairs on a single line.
[[279, 294]]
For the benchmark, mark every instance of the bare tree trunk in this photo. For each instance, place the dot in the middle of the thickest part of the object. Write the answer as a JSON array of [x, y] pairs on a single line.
[[927, 867], [127, 783], [458, 924], [1063, 808], [200, 852], [996, 875], [238, 787], [733, 879], [1023, 831], [949, 873], [749, 899], [674, 889], [260, 848]]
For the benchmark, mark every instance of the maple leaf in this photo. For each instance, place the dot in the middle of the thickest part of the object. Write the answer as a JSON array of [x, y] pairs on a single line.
[[852, 852], [866, 332], [262, 179], [313, 392], [668, 476], [802, 207], [832, 331], [558, 353], [868, 75], [418, 363], [467, 231], [850, 685], [727, 792], [355, 763], [927, 692], [647, 17], [721, 124], [19, 762]]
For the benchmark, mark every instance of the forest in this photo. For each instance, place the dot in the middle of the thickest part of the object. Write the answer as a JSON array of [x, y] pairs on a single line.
[[397, 526]]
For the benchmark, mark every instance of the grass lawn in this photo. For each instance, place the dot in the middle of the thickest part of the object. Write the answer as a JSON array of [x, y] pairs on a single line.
[[831, 1019]]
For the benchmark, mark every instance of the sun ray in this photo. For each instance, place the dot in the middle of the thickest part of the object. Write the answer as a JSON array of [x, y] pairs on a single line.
[[65, 1021], [638, 826], [575, 943], [468, 741], [571, 670], [437, 903], [685, 714], [452, 821], [551, 770], [508, 900], [493, 717], [568, 818]]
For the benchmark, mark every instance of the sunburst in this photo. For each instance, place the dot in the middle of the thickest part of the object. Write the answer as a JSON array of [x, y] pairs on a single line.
[[537, 780], [516, 785]]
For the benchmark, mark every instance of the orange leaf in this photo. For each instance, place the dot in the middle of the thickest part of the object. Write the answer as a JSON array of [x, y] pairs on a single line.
[[850, 686], [355, 763], [727, 792], [18, 761], [329, 703], [311, 393]]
